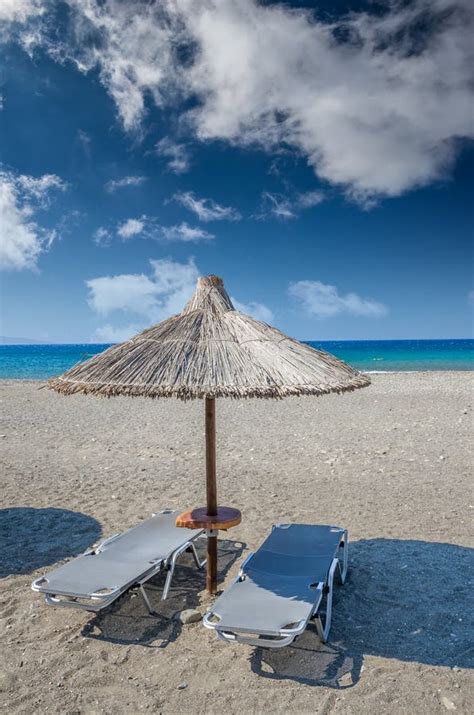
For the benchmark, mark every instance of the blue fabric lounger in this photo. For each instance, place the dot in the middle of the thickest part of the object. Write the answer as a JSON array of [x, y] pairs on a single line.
[[282, 586]]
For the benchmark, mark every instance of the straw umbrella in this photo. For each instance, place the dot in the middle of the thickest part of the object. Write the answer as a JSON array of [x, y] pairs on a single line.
[[210, 350]]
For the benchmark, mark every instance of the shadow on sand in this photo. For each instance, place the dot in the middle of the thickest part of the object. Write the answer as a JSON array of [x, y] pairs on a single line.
[[128, 622], [407, 600], [32, 538]]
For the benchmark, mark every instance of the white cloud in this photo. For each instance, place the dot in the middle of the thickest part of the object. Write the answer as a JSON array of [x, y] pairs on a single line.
[[22, 240], [147, 227], [135, 293], [102, 236], [376, 102], [156, 296], [38, 188], [19, 10], [258, 310], [186, 233], [115, 184], [176, 154], [324, 301], [288, 207], [276, 206], [308, 199], [206, 209], [131, 227]]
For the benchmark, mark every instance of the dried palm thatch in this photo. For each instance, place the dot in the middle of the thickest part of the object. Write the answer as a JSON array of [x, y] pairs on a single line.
[[210, 350]]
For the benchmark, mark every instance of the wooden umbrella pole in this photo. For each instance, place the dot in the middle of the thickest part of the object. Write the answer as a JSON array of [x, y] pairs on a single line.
[[211, 491]]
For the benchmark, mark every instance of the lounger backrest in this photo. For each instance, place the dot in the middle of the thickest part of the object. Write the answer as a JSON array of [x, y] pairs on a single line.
[[154, 539], [303, 539]]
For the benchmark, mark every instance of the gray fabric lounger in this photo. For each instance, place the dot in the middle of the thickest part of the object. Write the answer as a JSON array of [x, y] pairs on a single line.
[[282, 586], [95, 579]]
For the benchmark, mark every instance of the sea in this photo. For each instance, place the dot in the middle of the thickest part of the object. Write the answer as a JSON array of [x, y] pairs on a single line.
[[38, 362]]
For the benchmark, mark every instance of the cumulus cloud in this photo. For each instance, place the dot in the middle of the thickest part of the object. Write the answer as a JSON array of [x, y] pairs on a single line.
[[22, 239], [114, 184], [324, 301], [177, 155], [375, 101], [260, 311], [131, 227], [156, 296], [206, 209], [19, 10]]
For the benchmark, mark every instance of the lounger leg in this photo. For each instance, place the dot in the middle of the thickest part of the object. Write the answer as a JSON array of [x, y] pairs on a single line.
[[147, 601], [169, 578], [323, 629], [198, 563]]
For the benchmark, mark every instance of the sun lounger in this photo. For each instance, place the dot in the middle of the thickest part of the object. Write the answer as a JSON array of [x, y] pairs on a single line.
[[98, 577], [282, 586]]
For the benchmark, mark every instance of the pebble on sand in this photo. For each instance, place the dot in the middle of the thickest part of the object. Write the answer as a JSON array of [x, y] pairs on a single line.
[[190, 615]]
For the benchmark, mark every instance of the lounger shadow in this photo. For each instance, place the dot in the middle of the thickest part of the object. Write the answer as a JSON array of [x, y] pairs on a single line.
[[34, 538], [407, 600], [128, 622]]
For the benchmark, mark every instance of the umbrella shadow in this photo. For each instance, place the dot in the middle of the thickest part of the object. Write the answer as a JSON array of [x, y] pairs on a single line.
[[405, 600], [128, 622], [34, 538]]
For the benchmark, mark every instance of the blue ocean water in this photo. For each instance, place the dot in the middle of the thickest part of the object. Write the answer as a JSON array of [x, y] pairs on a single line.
[[37, 362]]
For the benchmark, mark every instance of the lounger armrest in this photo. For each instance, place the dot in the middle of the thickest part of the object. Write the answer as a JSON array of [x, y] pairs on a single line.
[[110, 592], [36, 585]]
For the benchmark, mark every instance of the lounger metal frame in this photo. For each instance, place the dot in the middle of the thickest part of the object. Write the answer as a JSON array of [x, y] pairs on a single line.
[[285, 636], [95, 602]]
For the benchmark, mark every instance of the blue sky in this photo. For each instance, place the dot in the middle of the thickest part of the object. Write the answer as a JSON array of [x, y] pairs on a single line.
[[321, 163]]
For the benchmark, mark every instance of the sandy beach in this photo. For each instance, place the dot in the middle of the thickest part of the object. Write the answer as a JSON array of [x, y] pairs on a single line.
[[392, 463]]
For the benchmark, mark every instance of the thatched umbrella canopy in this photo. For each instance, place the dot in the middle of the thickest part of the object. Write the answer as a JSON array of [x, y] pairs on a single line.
[[210, 350]]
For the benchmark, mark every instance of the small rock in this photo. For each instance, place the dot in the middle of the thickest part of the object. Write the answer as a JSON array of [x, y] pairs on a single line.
[[182, 685], [448, 704], [190, 615]]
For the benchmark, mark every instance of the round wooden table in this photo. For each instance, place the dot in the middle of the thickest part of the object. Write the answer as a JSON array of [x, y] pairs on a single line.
[[225, 518], [198, 518]]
